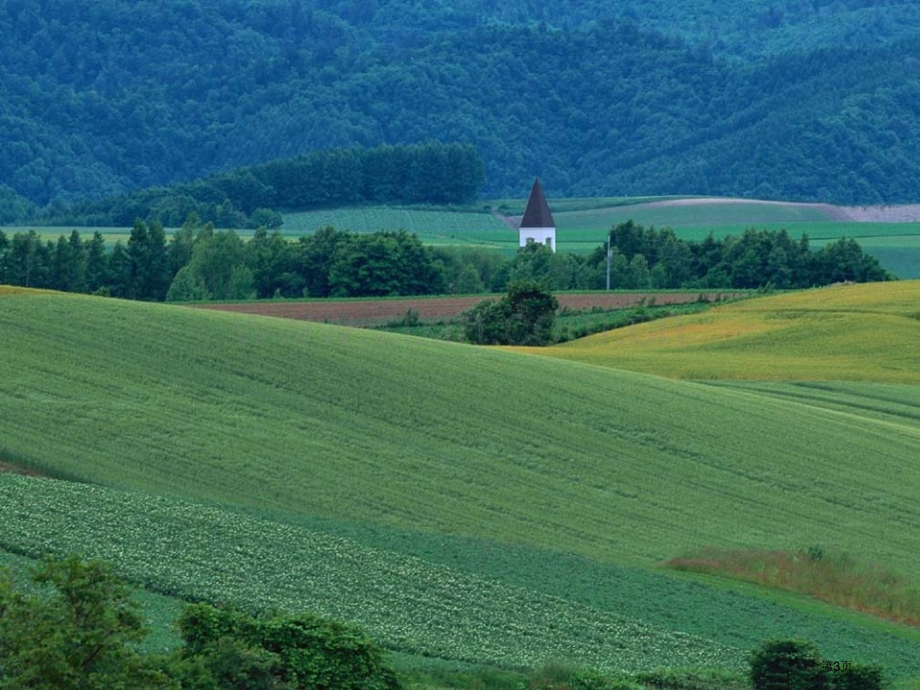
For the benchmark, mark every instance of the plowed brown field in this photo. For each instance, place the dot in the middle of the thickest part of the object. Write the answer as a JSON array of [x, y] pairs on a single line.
[[368, 312]]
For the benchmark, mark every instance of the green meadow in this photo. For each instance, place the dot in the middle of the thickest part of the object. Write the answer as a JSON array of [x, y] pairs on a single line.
[[464, 504]]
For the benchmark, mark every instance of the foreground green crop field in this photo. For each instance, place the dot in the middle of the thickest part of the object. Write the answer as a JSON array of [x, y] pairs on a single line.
[[514, 609], [391, 481]]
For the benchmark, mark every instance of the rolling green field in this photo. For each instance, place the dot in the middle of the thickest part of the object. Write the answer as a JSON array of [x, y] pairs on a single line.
[[464, 503]]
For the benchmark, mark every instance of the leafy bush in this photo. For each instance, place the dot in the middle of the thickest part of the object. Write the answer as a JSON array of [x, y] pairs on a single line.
[[795, 665], [786, 665], [856, 677], [524, 316], [304, 651], [78, 634]]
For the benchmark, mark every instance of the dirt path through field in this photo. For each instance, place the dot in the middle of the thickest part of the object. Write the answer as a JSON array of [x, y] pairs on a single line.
[[361, 312]]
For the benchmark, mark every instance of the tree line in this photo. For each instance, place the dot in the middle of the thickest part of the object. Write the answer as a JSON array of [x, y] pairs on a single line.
[[199, 263], [428, 173]]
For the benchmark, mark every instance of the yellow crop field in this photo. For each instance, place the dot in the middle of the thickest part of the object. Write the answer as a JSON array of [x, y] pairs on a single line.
[[841, 333], [13, 290]]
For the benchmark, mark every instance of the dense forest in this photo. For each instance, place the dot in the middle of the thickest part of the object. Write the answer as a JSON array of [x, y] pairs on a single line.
[[251, 196], [792, 99], [198, 263]]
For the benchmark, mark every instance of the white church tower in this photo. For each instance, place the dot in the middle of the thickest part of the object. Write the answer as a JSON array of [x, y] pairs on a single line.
[[538, 225]]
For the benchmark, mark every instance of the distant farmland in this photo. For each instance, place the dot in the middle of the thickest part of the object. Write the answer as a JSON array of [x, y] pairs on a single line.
[[891, 233], [370, 311]]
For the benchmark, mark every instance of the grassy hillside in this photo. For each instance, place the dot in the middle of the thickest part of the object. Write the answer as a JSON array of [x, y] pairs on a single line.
[[278, 414], [392, 481], [840, 333]]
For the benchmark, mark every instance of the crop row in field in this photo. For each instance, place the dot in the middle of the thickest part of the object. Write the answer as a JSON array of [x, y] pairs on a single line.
[[893, 403], [722, 614], [199, 552]]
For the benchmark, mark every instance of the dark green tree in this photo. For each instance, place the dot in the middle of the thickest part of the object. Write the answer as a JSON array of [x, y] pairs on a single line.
[[23, 259], [297, 651], [273, 262], [149, 266], [487, 323], [317, 252], [218, 264], [786, 665], [185, 287], [120, 277], [4, 258], [525, 315], [79, 633]]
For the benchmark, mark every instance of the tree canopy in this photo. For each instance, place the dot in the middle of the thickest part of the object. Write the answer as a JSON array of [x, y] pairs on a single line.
[[786, 99]]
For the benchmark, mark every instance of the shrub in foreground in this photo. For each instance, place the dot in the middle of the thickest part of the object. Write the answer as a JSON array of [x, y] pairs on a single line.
[[796, 665]]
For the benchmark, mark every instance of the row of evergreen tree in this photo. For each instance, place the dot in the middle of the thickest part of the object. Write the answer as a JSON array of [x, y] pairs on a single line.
[[198, 263], [428, 173]]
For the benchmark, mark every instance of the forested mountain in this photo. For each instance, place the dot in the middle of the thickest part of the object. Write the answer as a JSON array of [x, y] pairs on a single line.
[[598, 97]]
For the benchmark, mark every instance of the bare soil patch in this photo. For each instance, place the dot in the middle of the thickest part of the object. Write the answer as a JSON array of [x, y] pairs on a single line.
[[368, 312], [905, 213], [15, 469]]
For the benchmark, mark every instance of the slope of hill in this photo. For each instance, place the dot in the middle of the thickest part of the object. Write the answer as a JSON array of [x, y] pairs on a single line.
[[137, 94], [278, 414], [840, 333], [280, 435]]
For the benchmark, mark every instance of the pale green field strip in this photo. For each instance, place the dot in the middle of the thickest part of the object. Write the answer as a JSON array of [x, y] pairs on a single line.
[[407, 604], [439, 437], [706, 215], [892, 403], [844, 333], [516, 207], [52, 232]]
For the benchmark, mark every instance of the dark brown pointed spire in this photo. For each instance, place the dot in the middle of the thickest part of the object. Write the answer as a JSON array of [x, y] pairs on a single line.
[[537, 213]]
